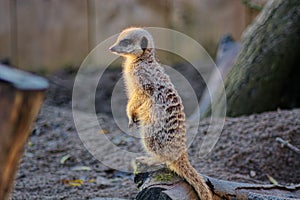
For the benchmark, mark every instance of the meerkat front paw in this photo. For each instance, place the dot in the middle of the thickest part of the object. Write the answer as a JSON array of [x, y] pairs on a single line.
[[133, 120], [130, 123]]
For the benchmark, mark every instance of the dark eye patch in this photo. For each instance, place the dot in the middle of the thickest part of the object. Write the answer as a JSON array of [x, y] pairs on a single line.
[[125, 42]]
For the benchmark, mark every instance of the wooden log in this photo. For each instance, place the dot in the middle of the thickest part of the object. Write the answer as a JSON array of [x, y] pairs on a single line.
[[159, 183], [21, 95]]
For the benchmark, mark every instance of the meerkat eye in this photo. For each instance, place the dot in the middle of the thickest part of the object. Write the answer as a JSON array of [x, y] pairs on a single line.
[[125, 42], [144, 43]]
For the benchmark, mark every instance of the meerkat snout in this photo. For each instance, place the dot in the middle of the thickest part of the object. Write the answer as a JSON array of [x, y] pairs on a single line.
[[132, 42]]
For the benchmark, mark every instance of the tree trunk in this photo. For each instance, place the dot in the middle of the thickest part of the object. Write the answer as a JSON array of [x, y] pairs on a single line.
[[21, 97], [265, 74], [159, 183]]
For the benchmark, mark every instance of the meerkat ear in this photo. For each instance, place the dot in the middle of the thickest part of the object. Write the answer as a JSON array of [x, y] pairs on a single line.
[[144, 43]]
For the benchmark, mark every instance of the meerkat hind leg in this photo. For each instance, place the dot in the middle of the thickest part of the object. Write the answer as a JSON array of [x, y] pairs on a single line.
[[150, 161]]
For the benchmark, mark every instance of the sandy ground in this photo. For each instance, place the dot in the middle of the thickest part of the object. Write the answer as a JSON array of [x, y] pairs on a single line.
[[56, 164]]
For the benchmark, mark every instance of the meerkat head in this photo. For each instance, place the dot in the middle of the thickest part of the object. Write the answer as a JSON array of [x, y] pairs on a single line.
[[132, 42]]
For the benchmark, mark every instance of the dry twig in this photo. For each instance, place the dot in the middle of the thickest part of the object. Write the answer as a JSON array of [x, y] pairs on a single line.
[[285, 143]]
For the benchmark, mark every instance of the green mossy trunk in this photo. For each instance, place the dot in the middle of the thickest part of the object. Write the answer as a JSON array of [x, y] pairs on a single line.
[[266, 72]]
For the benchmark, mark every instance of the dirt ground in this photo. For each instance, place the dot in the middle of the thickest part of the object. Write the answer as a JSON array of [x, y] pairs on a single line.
[[56, 165]]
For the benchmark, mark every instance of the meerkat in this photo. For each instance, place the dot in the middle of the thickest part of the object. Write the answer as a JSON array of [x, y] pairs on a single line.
[[155, 105]]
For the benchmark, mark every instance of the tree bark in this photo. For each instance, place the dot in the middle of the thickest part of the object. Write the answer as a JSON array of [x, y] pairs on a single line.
[[265, 74], [21, 97], [159, 183]]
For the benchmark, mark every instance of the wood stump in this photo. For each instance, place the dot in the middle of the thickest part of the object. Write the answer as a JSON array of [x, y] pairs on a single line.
[[21, 95]]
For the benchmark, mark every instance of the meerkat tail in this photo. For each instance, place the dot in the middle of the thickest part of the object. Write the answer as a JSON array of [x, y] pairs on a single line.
[[184, 169]]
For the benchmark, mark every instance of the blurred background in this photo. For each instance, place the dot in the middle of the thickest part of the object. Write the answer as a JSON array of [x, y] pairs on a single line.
[[53, 37], [47, 35]]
